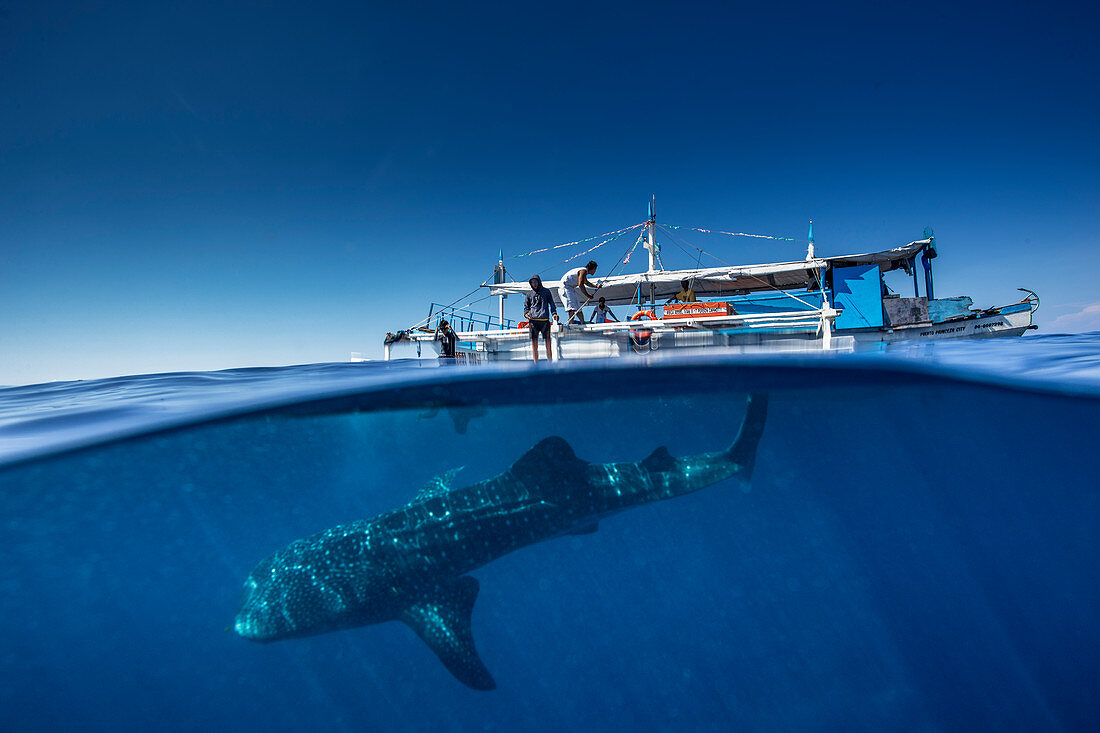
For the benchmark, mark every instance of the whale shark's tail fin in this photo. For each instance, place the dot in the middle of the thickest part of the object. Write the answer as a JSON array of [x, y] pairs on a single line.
[[743, 450], [443, 622]]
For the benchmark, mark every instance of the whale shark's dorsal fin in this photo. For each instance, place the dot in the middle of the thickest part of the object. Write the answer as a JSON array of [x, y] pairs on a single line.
[[550, 457], [438, 486], [443, 621], [659, 460]]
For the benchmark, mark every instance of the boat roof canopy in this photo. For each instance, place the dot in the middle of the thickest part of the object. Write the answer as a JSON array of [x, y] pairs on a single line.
[[727, 280]]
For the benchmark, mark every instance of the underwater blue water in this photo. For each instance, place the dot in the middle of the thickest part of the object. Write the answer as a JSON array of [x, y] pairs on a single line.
[[917, 549]]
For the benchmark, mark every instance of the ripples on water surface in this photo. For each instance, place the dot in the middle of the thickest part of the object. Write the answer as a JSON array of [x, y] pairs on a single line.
[[916, 550]]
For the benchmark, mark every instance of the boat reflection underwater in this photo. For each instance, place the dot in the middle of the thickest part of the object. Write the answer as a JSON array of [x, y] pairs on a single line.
[[410, 564]]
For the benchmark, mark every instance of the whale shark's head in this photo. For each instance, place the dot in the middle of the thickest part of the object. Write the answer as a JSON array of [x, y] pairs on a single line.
[[314, 585], [268, 608], [283, 597]]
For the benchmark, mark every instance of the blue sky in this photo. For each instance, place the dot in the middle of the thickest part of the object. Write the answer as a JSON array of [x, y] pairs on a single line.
[[211, 185]]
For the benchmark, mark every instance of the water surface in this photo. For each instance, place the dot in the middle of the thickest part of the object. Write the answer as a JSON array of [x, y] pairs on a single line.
[[916, 549]]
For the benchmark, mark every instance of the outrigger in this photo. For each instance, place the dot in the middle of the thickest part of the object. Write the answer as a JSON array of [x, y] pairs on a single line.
[[813, 304]]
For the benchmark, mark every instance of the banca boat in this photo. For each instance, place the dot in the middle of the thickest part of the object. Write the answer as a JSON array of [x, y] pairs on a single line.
[[813, 304]]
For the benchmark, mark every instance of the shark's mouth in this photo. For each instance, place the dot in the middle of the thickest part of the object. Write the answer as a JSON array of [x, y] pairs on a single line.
[[247, 628]]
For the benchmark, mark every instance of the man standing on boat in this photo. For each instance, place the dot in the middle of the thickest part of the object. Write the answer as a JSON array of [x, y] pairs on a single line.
[[686, 294], [538, 306], [446, 338], [602, 314], [573, 284]]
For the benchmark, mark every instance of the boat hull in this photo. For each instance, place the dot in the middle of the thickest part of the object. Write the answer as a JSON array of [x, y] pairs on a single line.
[[575, 343]]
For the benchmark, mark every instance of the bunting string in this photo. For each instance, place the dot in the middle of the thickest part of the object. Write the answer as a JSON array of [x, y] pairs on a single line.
[[636, 243], [681, 243], [579, 241], [736, 234], [596, 247]]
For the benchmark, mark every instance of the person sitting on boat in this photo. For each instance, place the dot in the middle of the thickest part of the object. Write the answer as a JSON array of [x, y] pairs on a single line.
[[601, 313], [447, 339], [574, 284], [538, 305], [686, 294]]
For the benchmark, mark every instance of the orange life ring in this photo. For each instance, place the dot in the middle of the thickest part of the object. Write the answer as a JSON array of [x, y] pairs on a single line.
[[644, 314], [523, 324]]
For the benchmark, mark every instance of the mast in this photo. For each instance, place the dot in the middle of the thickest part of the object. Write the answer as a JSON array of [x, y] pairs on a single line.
[[827, 312], [926, 256], [498, 278], [651, 243], [651, 239]]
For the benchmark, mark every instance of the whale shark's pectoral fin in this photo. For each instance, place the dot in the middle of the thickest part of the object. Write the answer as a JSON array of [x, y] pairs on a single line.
[[743, 451], [443, 622], [438, 486]]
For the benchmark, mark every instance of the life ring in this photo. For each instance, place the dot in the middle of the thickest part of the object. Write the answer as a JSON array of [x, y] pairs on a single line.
[[648, 315], [523, 324]]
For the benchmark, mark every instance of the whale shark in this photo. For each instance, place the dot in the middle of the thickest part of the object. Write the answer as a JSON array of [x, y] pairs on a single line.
[[411, 564]]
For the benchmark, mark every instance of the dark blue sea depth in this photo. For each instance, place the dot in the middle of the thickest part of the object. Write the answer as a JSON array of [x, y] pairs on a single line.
[[917, 549]]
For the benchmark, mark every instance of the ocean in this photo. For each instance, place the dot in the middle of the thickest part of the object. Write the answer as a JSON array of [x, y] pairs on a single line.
[[916, 549]]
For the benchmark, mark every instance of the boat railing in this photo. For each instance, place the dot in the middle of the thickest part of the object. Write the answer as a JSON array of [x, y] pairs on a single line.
[[788, 319], [465, 320], [818, 322], [803, 319]]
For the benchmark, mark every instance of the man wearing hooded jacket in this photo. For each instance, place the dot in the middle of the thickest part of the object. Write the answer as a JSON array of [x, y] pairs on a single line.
[[538, 306]]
